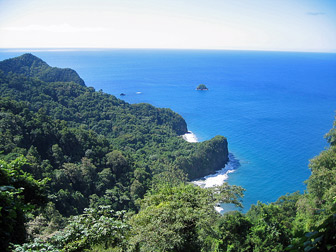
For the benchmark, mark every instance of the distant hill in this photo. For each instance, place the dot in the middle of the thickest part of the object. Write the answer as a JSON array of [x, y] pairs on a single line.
[[32, 66]]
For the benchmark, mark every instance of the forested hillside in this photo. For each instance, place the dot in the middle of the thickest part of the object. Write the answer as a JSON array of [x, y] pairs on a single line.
[[30, 66], [81, 170], [93, 148]]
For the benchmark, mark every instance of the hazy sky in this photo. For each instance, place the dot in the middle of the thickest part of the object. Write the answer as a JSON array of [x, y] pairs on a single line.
[[291, 25]]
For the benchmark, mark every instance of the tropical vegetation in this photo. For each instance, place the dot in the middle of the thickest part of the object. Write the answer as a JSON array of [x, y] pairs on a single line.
[[81, 170]]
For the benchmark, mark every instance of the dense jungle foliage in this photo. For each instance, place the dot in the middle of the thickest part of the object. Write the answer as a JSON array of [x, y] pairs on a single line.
[[81, 170], [94, 148]]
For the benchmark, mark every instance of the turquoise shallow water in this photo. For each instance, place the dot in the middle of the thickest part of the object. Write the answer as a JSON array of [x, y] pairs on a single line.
[[274, 107]]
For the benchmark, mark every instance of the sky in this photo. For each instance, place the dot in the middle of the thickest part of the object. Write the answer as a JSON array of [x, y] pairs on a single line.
[[277, 25]]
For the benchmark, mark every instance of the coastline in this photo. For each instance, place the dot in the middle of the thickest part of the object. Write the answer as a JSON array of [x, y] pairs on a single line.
[[220, 176], [190, 137]]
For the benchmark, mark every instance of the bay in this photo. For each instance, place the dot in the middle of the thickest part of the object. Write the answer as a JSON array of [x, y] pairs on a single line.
[[273, 107]]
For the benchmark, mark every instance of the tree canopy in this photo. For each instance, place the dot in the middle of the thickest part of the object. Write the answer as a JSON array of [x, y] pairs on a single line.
[[81, 170]]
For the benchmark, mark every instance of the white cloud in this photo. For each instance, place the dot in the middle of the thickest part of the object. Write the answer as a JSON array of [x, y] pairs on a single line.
[[53, 28]]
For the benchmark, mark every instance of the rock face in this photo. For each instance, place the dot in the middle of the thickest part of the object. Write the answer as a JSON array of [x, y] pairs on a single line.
[[210, 156], [32, 66]]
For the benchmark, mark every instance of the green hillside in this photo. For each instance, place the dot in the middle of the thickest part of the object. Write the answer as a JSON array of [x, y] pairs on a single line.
[[29, 65], [81, 170]]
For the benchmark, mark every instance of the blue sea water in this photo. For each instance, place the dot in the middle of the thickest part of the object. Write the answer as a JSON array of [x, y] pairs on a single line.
[[273, 107]]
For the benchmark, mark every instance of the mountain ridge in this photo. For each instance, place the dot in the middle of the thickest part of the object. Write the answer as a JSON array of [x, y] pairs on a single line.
[[31, 66]]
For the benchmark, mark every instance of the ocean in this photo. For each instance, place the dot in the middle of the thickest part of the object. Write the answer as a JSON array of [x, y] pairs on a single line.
[[273, 107]]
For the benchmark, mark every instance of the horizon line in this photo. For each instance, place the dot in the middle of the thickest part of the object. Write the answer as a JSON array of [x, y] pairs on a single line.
[[154, 48]]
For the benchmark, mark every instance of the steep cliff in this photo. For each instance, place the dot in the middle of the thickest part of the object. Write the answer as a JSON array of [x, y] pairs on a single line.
[[209, 157]]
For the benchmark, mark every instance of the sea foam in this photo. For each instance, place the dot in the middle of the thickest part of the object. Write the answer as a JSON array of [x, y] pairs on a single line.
[[190, 137], [220, 176]]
